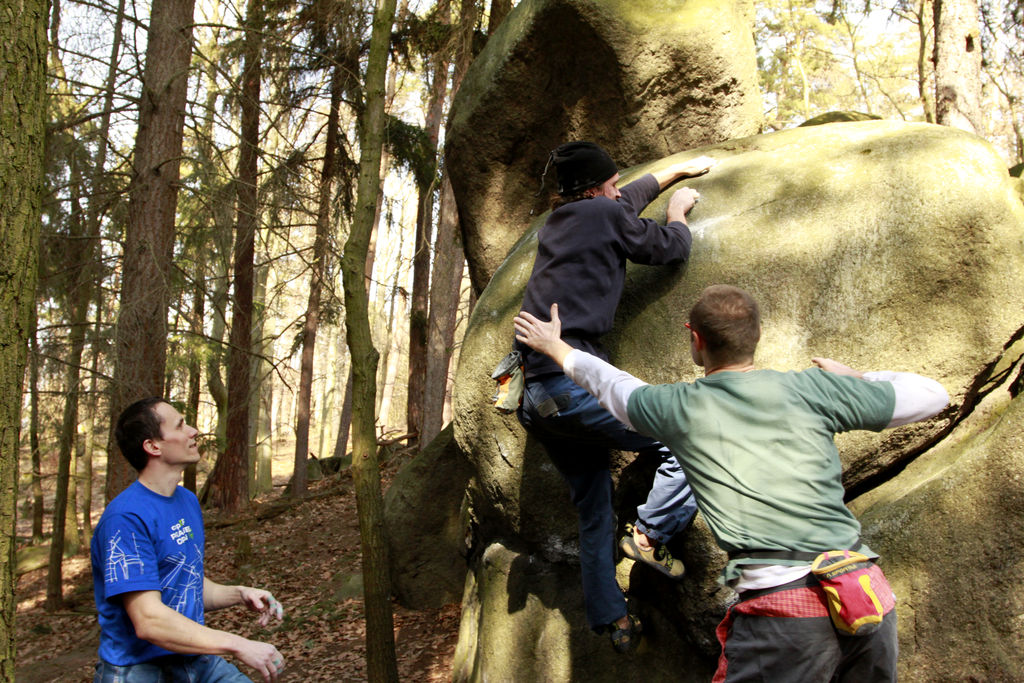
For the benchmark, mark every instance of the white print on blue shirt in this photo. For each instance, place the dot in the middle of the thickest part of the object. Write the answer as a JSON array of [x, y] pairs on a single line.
[[181, 532], [183, 584], [121, 559]]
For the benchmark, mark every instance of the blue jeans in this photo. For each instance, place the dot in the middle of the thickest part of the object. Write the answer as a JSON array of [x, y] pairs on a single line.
[[172, 669], [578, 434]]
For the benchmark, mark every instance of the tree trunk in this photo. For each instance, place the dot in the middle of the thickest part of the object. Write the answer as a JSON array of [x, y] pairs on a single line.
[[89, 428], [88, 451], [499, 10], [264, 437], [445, 293], [418, 313], [448, 264], [380, 644], [229, 481], [329, 395], [98, 203], [923, 31], [80, 272], [421, 259], [141, 334], [262, 388], [958, 64], [214, 381], [195, 371], [312, 322], [33, 435], [211, 251], [345, 420], [22, 131], [392, 351], [72, 537]]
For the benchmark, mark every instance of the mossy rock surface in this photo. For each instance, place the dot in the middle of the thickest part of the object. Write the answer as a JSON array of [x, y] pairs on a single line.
[[951, 532], [641, 78], [840, 117], [426, 518], [885, 245], [520, 623]]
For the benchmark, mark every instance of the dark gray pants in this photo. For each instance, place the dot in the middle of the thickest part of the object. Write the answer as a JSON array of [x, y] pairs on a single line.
[[808, 650]]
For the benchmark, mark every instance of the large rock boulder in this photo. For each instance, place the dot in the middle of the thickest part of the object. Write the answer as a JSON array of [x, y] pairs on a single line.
[[519, 623], [427, 523], [950, 529], [882, 244], [642, 78]]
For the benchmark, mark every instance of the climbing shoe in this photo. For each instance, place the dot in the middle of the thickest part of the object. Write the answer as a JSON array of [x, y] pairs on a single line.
[[657, 557], [625, 640]]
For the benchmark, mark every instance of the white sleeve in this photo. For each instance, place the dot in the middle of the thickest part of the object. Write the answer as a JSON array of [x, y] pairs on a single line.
[[917, 397], [609, 385]]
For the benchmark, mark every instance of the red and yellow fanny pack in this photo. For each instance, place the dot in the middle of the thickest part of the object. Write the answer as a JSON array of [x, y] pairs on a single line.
[[852, 597]]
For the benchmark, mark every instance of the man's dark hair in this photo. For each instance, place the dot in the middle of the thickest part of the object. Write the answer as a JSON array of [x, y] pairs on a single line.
[[559, 200], [729, 321], [137, 423]]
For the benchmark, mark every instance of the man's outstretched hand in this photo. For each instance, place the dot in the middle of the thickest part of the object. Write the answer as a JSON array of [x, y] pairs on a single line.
[[542, 336], [688, 168], [695, 167], [834, 366]]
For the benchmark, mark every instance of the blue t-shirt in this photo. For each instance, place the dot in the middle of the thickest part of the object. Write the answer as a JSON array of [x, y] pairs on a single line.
[[146, 541]]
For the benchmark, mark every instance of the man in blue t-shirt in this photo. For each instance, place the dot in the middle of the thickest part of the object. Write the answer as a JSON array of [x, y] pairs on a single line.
[[757, 448], [147, 568]]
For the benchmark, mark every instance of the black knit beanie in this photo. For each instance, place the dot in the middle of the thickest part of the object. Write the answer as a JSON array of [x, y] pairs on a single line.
[[581, 165]]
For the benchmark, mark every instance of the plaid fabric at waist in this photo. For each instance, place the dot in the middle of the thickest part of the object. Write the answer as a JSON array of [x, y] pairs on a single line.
[[805, 601], [801, 601], [808, 600]]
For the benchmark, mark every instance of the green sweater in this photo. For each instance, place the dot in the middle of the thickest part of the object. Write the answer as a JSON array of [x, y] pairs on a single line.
[[757, 448]]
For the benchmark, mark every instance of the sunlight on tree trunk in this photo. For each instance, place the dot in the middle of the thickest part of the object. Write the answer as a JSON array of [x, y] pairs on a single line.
[[96, 207], [229, 481], [804, 87], [141, 334], [924, 31], [33, 434], [214, 380], [195, 324], [958, 64], [22, 130], [261, 470], [380, 645], [499, 10], [72, 537], [446, 282], [211, 256], [438, 73], [312, 322], [345, 419], [448, 264]]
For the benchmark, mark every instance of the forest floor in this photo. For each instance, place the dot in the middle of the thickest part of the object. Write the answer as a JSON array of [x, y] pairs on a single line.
[[306, 553]]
